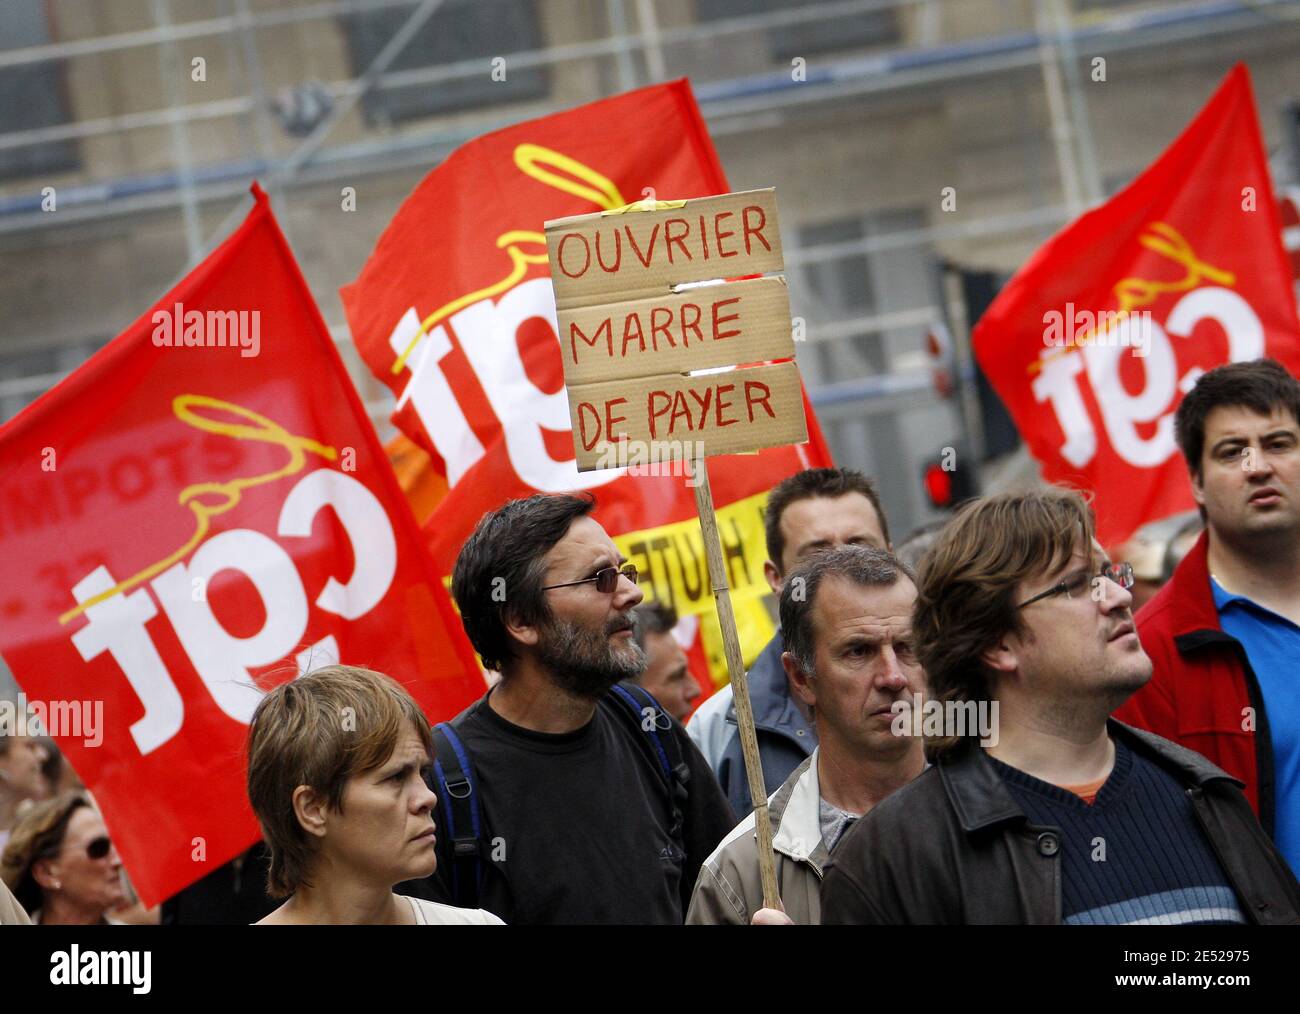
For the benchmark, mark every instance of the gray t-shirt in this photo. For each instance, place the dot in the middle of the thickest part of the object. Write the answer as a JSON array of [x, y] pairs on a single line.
[[834, 822]]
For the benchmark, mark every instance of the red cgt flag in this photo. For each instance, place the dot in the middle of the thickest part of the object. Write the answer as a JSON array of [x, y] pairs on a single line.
[[455, 312], [1095, 340], [185, 525]]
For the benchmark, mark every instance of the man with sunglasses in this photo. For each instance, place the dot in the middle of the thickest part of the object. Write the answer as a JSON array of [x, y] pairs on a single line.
[[1065, 815], [595, 805]]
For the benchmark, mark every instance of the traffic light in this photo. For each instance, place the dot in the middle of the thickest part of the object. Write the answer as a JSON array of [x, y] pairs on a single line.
[[949, 478]]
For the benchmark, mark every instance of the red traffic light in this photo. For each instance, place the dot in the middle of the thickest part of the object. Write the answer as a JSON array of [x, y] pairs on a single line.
[[938, 485]]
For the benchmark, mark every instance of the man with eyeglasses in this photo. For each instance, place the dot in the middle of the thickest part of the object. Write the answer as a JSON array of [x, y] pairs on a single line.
[[1065, 815], [594, 805]]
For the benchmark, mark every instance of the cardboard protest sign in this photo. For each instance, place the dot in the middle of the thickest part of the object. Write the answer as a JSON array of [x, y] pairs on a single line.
[[712, 325], [658, 385], [611, 257], [455, 314], [630, 337], [740, 410]]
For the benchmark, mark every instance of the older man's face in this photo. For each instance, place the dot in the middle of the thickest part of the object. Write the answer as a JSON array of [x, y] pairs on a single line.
[[865, 662], [588, 645], [20, 767]]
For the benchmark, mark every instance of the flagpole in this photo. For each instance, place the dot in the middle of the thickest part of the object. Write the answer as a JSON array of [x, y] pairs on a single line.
[[739, 684]]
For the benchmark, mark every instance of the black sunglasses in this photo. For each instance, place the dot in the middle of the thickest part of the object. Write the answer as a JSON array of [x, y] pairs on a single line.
[[606, 579], [96, 848], [1120, 573]]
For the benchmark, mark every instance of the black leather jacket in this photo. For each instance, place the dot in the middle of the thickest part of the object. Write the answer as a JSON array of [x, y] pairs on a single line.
[[953, 846]]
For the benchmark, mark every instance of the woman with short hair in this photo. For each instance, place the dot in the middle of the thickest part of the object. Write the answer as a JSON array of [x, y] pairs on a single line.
[[337, 762]]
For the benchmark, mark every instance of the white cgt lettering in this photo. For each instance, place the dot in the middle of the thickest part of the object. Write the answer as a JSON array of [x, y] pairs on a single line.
[[363, 517], [488, 331], [222, 660], [1121, 411], [118, 624]]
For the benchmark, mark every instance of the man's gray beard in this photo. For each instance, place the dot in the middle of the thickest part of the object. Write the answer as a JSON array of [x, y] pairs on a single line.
[[583, 662]]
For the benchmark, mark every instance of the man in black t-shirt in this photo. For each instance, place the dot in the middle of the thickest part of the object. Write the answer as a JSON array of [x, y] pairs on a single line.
[[580, 817]]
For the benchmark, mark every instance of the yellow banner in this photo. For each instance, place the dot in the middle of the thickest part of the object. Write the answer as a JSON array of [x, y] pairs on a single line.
[[755, 628], [673, 570]]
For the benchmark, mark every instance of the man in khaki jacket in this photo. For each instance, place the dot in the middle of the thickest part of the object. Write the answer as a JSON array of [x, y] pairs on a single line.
[[846, 614]]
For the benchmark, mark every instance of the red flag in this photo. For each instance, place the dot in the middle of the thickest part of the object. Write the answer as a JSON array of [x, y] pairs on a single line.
[[184, 523], [455, 312], [1095, 340], [1288, 203]]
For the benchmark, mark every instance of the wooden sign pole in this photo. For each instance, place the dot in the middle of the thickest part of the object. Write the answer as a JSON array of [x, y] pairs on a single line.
[[739, 685], [632, 344]]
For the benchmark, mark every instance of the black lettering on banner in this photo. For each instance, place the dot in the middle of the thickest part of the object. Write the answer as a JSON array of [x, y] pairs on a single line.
[[732, 552], [660, 566], [640, 551], [675, 555], [694, 590], [637, 554]]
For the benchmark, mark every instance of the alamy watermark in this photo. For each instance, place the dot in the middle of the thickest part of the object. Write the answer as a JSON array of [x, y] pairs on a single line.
[[1079, 328], [654, 457], [75, 967], [209, 329], [82, 720], [920, 717]]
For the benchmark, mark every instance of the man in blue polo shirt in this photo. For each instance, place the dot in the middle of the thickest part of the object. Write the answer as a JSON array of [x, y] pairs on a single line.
[[1272, 644], [1224, 632]]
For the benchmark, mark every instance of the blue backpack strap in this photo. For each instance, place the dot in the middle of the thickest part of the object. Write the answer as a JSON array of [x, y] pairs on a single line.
[[672, 765], [639, 710], [458, 804]]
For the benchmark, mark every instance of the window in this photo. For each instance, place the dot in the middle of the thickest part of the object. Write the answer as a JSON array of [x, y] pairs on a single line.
[[459, 30], [886, 436], [26, 374], [34, 96], [816, 35]]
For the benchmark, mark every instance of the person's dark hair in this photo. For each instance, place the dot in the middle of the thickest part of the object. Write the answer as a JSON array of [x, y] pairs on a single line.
[[39, 833], [1260, 385], [865, 566], [652, 617], [966, 589], [500, 569], [815, 482]]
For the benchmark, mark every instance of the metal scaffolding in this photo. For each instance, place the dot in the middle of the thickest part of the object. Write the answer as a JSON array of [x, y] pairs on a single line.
[[1039, 43]]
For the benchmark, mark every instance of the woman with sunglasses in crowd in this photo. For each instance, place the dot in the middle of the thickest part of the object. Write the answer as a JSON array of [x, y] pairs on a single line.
[[61, 865]]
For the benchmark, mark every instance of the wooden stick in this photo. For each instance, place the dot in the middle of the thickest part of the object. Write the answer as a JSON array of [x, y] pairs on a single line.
[[739, 685]]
